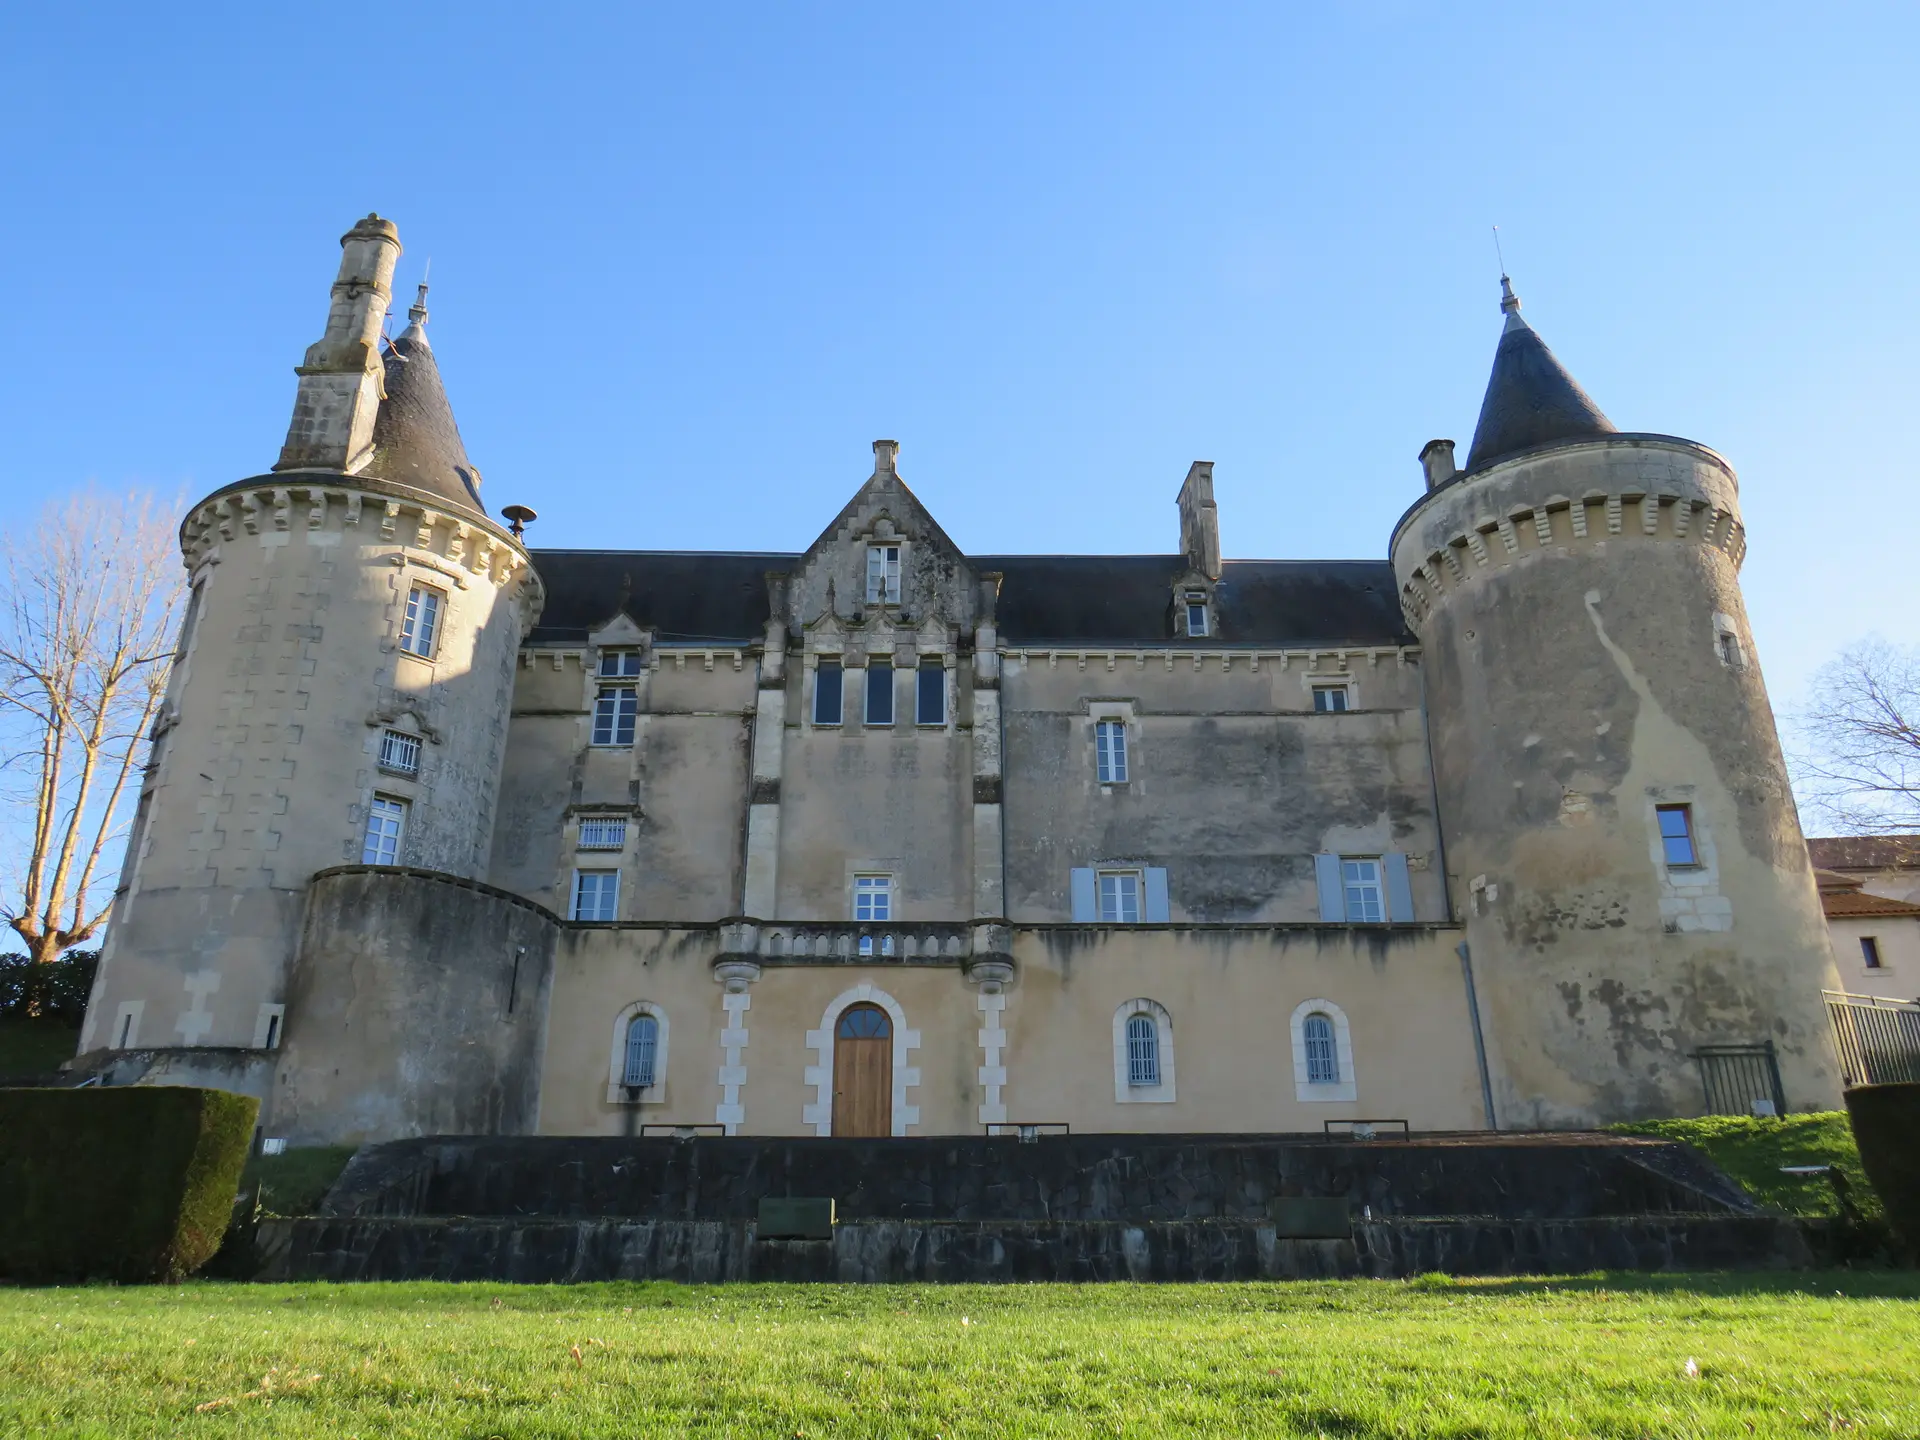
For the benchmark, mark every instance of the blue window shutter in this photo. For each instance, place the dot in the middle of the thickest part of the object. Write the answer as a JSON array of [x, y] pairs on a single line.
[[1085, 911], [1158, 911], [1399, 888], [1333, 899]]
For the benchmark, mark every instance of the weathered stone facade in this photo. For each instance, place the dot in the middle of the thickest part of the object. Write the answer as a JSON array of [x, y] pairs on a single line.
[[881, 834]]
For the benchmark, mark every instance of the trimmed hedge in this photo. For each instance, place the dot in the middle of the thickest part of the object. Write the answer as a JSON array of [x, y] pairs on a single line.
[[1886, 1122], [133, 1184]]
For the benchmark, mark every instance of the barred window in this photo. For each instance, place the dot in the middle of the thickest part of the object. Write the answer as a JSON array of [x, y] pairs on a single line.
[[422, 624], [386, 819], [400, 753], [1110, 749], [596, 895], [603, 832], [1323, 1051], [643, 1043], [1143, 1050], [615, 710]]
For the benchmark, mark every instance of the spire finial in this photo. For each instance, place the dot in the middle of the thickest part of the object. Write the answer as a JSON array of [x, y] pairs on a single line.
[[1509, 302], [416, 330]]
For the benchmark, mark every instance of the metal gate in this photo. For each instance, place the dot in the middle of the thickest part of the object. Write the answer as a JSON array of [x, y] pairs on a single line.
[[1878, 1040], [1741, 1079]]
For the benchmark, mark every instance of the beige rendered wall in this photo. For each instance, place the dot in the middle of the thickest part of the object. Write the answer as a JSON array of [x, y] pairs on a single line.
[[1231, 995], [265, 763], [1898, 937], [1572, 605]]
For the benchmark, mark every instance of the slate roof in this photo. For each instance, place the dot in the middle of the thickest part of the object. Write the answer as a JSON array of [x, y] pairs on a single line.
[[415, 440], [690, 597], [1531, 398]]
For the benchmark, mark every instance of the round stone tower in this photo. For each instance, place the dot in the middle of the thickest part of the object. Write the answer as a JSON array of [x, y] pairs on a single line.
[[341, 692], [1641, 914]]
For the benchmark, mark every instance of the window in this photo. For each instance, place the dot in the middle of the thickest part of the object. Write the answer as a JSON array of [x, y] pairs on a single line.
[[643, 1043], [1110, 751], [1119, 897], [1323, 1051], [596, 895], [883, 574], [872, 899], [879, 694], [603, 832], [615, 711], [400, 753], [619, 664], [1196, 615], [826, 693], [1676, 834], [422, 625], [386, 818], [1870, 951], [1330, 699], [1360, 879], [1143, 1050], [930, 693]]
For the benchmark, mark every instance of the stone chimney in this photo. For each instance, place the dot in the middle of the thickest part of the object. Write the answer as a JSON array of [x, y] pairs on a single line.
[[340, 381], [1436, 458], [886, 457], [1200, 521]]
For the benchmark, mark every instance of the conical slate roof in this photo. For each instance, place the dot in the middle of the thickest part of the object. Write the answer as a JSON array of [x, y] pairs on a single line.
[[415, 440], [1531, 399]]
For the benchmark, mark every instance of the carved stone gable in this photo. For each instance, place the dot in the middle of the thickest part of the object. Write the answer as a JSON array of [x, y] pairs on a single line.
[[935, 583]]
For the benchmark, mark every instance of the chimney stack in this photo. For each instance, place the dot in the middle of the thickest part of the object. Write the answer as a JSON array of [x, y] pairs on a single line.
[[1436, 458], [341, 379], [1200, 521]]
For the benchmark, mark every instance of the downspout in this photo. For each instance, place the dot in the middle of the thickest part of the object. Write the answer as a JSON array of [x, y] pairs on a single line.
[[1479, 1040]]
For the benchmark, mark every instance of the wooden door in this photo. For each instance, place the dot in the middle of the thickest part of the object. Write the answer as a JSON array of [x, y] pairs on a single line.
[[863, 1072]]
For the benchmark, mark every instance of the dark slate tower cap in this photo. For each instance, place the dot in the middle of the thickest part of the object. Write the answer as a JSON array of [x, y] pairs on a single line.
[[415, 440], [1531, 399]]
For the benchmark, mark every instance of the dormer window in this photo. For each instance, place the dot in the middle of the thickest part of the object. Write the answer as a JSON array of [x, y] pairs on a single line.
[[1199, 622], [883, 574], [619, 664]]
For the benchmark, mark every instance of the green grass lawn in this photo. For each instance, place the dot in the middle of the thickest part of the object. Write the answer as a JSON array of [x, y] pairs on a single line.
[[1777, 1354], [1752, 1151]]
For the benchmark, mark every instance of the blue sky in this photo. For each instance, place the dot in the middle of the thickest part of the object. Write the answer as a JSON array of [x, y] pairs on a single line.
[[688, 261]]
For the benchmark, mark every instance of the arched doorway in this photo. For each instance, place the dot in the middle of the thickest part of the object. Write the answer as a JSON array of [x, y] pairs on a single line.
[[863, 1072]]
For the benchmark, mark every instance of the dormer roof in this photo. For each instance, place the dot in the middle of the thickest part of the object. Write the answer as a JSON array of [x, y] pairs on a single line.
[[415, 440], [1531, 398]]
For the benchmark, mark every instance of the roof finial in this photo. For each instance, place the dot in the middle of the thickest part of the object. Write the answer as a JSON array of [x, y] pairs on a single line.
[[1509, 302], [416, 330]]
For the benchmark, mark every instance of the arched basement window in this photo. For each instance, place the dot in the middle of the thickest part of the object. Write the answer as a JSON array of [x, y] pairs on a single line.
[[1323, 1050]]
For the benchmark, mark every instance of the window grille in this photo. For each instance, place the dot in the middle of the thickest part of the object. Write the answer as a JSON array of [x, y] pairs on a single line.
[[827, 684], [386, 818], [1361, 881], [883, 574], [1330, 699], [619, 664], [400, 753], [596, 895], [422, 624], [1120, 897], [879, 694], [603, 832], [1676, 834], [1143, 1050], [930, 694], [616, 709], [1110, 749], [643, 1043], [1323, 1051], [873, 899]]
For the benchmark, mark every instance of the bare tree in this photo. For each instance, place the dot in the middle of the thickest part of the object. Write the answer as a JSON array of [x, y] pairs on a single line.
[[1860, 754], [89, 599]]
